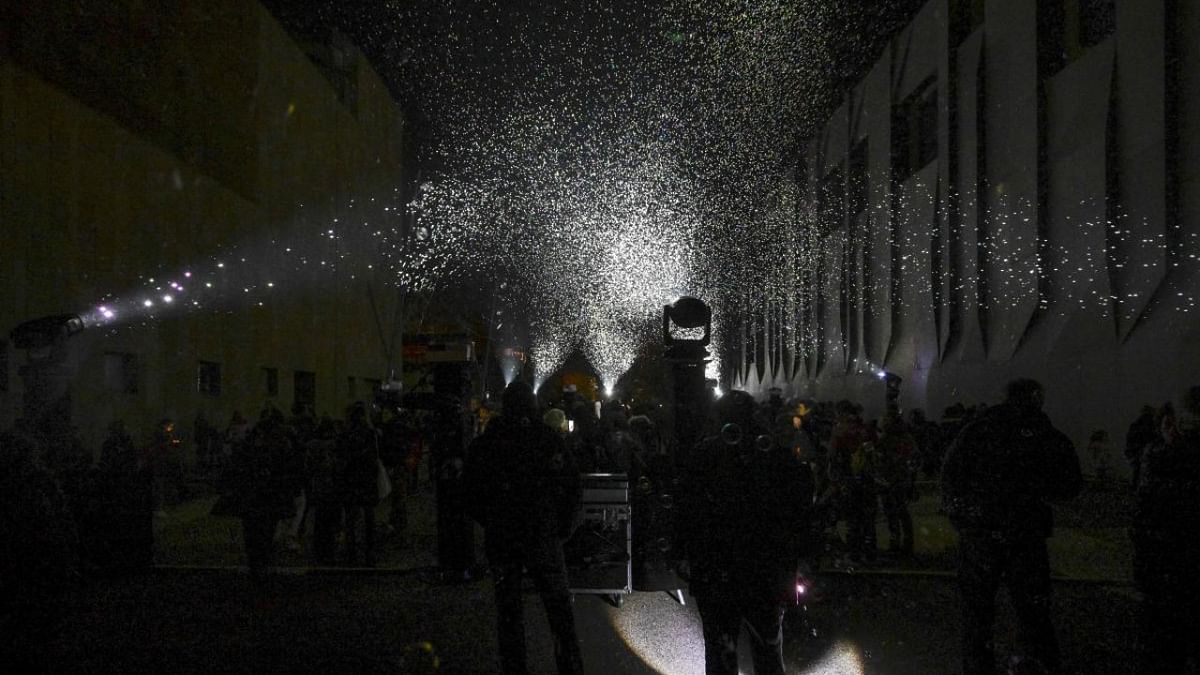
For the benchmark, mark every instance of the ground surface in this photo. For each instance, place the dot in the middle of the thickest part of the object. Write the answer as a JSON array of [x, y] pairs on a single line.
[[198, 612]]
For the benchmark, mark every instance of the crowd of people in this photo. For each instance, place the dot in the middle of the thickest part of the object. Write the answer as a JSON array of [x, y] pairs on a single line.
[[776, 484], [772, 484], [284, 477]]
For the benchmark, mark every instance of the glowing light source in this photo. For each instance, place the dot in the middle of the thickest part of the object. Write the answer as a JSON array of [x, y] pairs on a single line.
[[147, 303]]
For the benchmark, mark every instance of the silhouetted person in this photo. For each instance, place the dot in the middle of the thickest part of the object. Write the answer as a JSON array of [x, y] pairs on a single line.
[[395, 438], [1165, 549], [203, 436], [997, 479], [320, 462], [524, 490], [358, 473], [40, 560], [852, 472], [895, 468], [1142, 432], [126, 503], [265, 486], [742, 528], [161, 458]]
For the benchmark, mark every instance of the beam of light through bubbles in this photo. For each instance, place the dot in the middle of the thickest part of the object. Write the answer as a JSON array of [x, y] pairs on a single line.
[[667, 637]]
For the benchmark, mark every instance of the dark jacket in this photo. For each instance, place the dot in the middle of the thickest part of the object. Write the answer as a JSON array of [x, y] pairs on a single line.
[[1166, 515], [743, 516], [1002, 470], [264, 473], [358, 464], [522, 486]]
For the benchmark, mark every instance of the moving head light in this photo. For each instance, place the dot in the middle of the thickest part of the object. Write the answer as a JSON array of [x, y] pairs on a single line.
[[43, 332]]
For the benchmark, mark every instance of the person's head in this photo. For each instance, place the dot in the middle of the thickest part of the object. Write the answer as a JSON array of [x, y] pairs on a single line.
[[734, 416], [1167, 423], [356, 414], [783, 431], [325, 428], [1025, 393], [519, 401], [642, 427], [845, 409], [556, 419]]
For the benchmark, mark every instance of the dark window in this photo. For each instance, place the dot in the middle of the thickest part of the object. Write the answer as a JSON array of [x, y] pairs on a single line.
[[351, 387], [304, 388], [208, 378], [120, 373], [856, 179], [915, 131], [271, 381]]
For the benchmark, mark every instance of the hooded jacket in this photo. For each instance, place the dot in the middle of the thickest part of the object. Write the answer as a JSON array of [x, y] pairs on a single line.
[[523, 486], [1004, 468]]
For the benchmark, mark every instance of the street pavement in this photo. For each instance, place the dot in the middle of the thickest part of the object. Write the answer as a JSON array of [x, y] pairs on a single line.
[[198, 613], [209, 621]]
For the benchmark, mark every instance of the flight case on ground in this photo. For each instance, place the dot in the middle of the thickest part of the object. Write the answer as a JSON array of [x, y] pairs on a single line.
[[600, 552]]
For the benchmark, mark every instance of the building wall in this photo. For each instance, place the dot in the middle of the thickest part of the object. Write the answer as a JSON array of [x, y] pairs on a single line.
[[1053, 234], [119, 163]]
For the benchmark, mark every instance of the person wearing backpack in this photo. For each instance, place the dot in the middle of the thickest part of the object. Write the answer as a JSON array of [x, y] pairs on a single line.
[[997, 481]]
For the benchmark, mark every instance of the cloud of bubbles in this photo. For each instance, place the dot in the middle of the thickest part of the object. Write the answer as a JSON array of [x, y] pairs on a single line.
[[599, 158]]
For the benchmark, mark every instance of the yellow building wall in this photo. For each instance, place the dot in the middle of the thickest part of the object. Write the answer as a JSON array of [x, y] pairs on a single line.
[[258, 147]]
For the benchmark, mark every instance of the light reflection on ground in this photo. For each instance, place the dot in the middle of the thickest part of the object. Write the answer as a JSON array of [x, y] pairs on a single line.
[[667, 637]]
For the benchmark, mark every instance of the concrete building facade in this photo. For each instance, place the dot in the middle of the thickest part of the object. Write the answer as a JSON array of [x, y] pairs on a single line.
[[142, 140], [1012, 190]]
